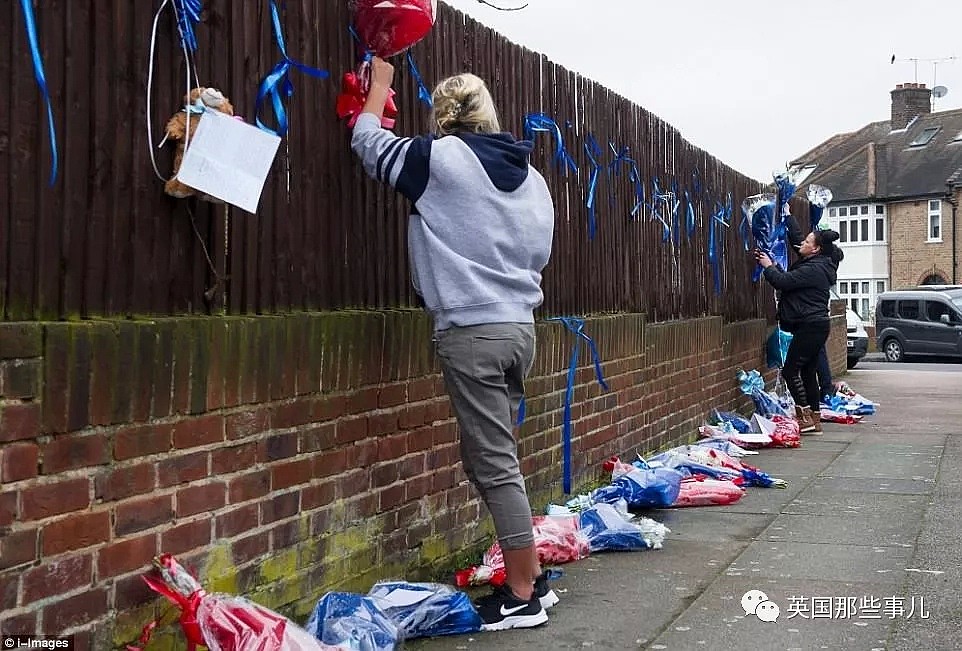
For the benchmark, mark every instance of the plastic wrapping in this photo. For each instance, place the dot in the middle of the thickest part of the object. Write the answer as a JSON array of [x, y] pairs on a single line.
[[224, 622], [426, 609], [739, 422], [352, 621], [777, 348], [229, 623], [388, 27], [641, 488], [608, 530], [708, 492], [787, 433], [557, 539], [728, 433], [726, 446]]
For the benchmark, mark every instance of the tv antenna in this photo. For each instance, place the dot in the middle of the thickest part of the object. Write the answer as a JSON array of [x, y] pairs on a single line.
[[935, 65]]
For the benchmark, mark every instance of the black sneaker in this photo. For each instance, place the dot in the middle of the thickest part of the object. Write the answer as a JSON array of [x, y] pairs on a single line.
[[501, 610], [543, 591]]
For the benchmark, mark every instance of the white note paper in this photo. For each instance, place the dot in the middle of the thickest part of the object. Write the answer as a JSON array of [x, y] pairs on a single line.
[[229, 159]]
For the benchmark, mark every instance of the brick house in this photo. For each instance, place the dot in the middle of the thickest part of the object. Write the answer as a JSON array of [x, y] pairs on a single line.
[[896, 186]]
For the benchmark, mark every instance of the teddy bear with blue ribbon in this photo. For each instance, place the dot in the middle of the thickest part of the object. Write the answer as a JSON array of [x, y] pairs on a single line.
[[181, 128]]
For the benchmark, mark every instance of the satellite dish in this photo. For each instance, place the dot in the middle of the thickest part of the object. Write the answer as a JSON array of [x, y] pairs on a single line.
[[939, 91]]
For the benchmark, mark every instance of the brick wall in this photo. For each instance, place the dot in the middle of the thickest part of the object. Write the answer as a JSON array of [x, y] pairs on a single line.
[[285, 456], [912, 258]]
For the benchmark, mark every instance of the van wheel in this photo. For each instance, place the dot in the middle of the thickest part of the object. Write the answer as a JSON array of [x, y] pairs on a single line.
[[893, 350]]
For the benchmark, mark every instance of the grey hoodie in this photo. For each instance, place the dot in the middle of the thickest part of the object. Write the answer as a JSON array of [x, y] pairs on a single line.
[[482, 225]]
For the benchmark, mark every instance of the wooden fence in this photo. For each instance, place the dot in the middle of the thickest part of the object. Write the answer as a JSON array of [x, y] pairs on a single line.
[[106, 241]]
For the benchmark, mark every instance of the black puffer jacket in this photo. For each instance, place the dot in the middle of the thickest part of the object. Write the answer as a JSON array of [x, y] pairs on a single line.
[[803, 290]]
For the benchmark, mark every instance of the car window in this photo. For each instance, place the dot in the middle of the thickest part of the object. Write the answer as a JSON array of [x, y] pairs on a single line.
[[909, 309], [887, 308], [935, 309]]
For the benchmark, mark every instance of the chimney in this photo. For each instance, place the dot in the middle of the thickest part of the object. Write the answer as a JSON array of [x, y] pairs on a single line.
[[908, 102]]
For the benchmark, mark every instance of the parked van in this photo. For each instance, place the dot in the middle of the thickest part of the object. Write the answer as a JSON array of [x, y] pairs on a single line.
[[919, 321]]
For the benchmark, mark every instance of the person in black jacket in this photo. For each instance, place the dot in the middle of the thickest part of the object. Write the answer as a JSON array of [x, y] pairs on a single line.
[[803, 311]]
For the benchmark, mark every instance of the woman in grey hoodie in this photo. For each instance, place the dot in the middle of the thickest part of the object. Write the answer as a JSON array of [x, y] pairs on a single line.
[[479, 237]]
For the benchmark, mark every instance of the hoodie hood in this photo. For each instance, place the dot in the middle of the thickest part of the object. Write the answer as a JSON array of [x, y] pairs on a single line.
[[504, 159]]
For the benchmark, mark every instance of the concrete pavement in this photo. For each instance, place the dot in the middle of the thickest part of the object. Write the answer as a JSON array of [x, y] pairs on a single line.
[[871, 524]]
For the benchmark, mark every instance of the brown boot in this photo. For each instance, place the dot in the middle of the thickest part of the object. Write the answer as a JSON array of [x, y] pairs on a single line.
[[817, 421], [806, 421]]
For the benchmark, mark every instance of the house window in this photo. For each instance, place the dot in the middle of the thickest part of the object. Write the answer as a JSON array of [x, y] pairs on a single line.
[[925, 137], [879, 229], [831, 212], [843, 211], [842, 231], [935, 221], [853, 230], [865, 230], [861, 296], [864, 210], [879, 210]]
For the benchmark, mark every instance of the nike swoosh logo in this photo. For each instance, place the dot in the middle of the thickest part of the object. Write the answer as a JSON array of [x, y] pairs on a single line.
[[510, 611]]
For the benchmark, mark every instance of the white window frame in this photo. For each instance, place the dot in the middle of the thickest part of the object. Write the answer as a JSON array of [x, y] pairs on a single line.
[[858, 213], [937, 212], [859, 301]]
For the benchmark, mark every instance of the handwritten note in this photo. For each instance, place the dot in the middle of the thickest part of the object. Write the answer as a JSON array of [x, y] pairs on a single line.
[[229, 159]]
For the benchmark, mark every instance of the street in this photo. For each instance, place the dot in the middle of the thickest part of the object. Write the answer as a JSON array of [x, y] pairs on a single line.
[[876, 362], [859, 552]]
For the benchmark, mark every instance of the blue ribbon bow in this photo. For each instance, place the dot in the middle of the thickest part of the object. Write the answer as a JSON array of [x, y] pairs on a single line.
[[276, 84], [540, 122], [34, 41], [188, 15], [576, 326]]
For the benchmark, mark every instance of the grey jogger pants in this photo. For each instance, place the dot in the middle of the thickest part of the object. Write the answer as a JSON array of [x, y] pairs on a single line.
[[484, 368]]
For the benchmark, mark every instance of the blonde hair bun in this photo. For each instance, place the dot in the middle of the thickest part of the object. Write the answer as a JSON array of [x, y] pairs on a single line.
[[462, 103]]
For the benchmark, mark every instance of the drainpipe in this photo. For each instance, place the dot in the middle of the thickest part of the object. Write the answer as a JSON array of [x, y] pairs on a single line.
[[955, 207]]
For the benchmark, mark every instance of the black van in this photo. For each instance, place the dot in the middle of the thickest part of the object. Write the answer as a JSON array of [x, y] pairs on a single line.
[[920, 321]]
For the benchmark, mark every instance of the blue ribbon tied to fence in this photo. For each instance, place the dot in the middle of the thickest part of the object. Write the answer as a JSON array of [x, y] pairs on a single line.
[[577, 327], [38, 73], [593, 152], [623, 157], [188, 15], [689, 217], [423, 93], [277, 85], [541, 122]]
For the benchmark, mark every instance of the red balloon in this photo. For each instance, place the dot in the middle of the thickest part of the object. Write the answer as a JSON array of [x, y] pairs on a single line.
[[388, 27]]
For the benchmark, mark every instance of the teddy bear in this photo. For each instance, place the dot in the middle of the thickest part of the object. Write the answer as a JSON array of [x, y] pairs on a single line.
[[196, 103]]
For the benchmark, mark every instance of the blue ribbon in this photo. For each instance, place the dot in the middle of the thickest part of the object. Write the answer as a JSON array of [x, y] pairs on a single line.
[[675, 222], [714, 252], [593, 151], [623, 157], [41, 78], [689, 217], [575, 326], [656, 200], [540, 122], [188, 15], [276, 84], [423, 93]]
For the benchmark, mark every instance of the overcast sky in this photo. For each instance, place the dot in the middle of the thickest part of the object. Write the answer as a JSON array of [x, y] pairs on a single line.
[[754, 83]]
